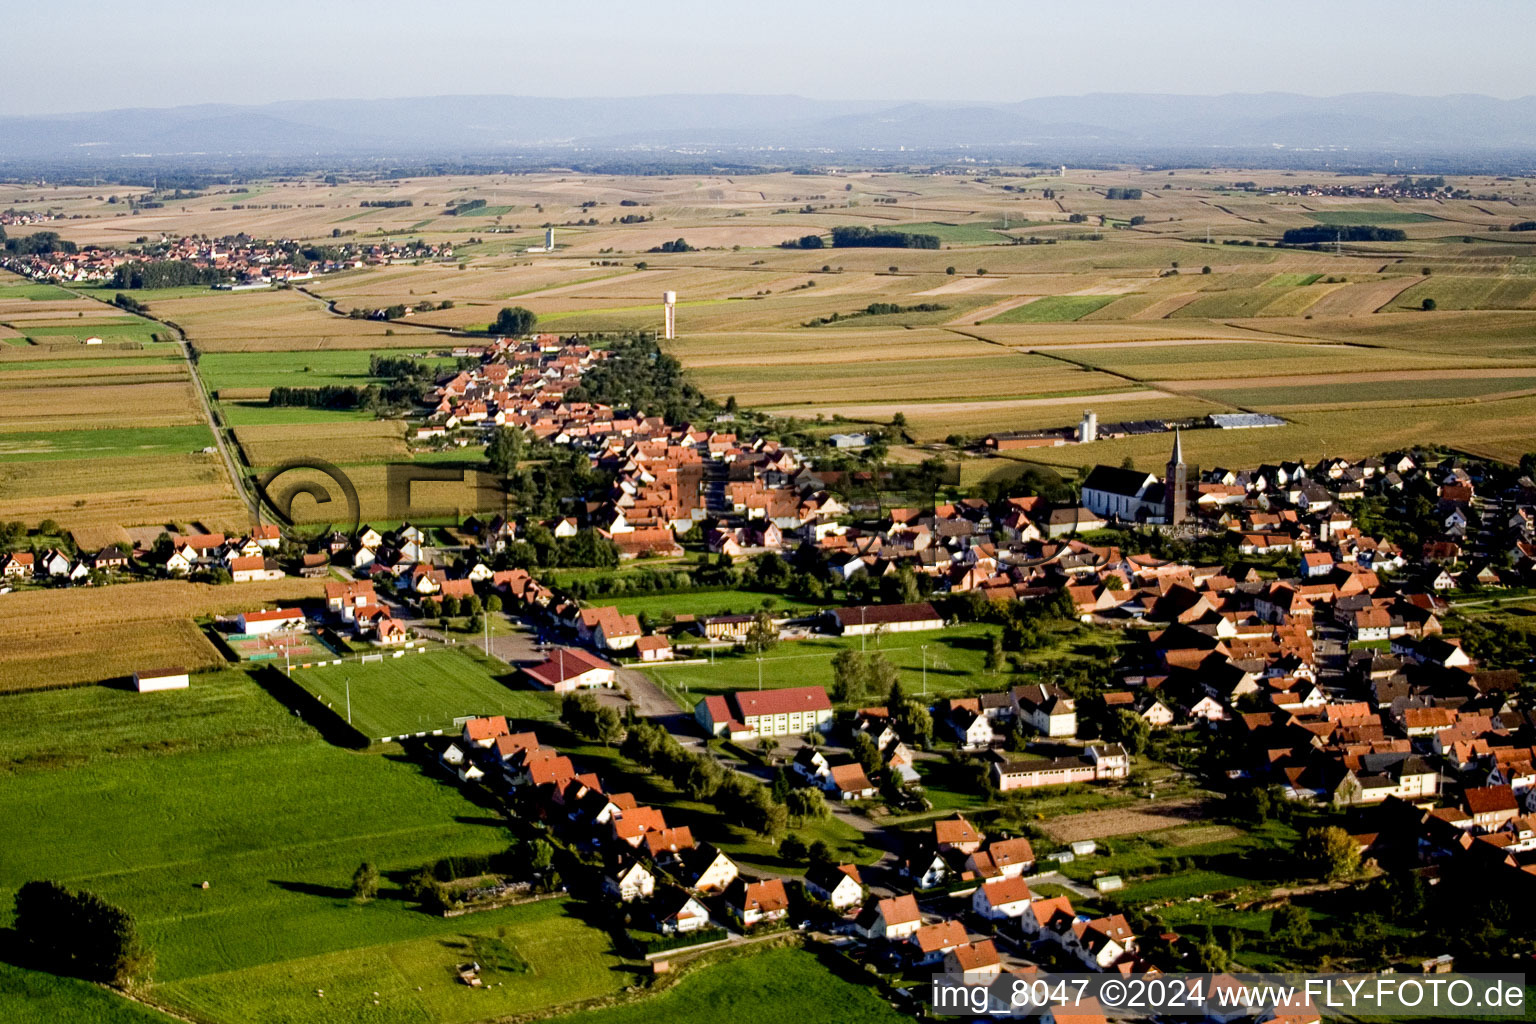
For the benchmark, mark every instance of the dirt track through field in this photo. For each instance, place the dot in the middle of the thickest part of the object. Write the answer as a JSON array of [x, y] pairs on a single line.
[[1145, 817]]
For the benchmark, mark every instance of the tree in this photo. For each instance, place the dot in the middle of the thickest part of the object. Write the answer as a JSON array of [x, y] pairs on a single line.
[[1211, 958], [1292, 922], [866, 753], [80, 934], [1128, 729], [806, 804], [793, 848], [994, 652], [365, 882], [849, 677], [514, 321], [493, 604], [762, 635], [505, 451], [429, 607], [821, 853], [880, 675], [1329, 852], [1428, 305], [450, 606]]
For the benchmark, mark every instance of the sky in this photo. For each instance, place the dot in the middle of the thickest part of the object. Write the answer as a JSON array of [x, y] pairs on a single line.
[[172, 53]]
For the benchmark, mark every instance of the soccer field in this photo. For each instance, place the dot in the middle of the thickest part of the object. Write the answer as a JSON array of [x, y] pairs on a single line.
[[421, 692]]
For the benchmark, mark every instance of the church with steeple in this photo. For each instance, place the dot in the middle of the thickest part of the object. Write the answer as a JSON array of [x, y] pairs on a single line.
[[1176, 485]]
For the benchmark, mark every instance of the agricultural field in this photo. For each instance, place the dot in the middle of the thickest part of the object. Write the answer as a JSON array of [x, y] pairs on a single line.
[[744, 301], [88, 634], [784, 986], [423, 690], [246, 796], [1054, 309]]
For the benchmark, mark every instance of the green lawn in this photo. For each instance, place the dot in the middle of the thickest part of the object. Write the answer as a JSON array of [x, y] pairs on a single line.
[[776, 986], [142, 797], [32, 997], [955, 659], [136, 442], [1053, 309], [253, 413], [220, 711], [1344, 218], [421, 692], [111, 329], [566, 961], [23, 289], [710, 602], [338, 367]]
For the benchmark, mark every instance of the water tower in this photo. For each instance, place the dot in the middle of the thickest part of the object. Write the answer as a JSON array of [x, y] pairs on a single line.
[[669, 304]]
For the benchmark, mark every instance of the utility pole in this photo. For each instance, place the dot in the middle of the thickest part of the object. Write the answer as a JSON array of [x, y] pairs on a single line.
[[349, 700], [925, 669], [487, 635], [759, 671]]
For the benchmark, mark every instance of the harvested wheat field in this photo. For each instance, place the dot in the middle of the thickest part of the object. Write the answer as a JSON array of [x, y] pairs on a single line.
[[88, 634]]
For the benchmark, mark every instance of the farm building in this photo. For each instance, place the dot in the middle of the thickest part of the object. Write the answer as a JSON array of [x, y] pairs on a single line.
[[269, 620], [150, 679], [889, 618], [570, 668]]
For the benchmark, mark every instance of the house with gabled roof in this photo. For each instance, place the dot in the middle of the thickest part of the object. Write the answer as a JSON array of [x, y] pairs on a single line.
[[754, 903], [934, 941], [837, 884], [1001, 898], [892, 919], [629, 879]]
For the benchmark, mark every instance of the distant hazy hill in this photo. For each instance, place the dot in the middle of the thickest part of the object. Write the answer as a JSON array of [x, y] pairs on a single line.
[[458, 125]]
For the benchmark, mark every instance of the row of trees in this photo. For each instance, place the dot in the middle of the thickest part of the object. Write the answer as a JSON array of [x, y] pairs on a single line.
[[861, 237], [36, 244], [741, 799], [1321, 233], [164, 274]]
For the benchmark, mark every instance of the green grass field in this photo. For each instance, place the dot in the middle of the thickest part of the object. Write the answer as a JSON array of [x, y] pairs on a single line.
[[112, 329], [1352, 216], [254, 413], [420, 692], [346, 367], [781, 986], [1053, 309], [221, 710], [137, 442], [34, 292], [982, 233], [222, 782], [709, 602], [566, 961], [954, 657], [32, 997]]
